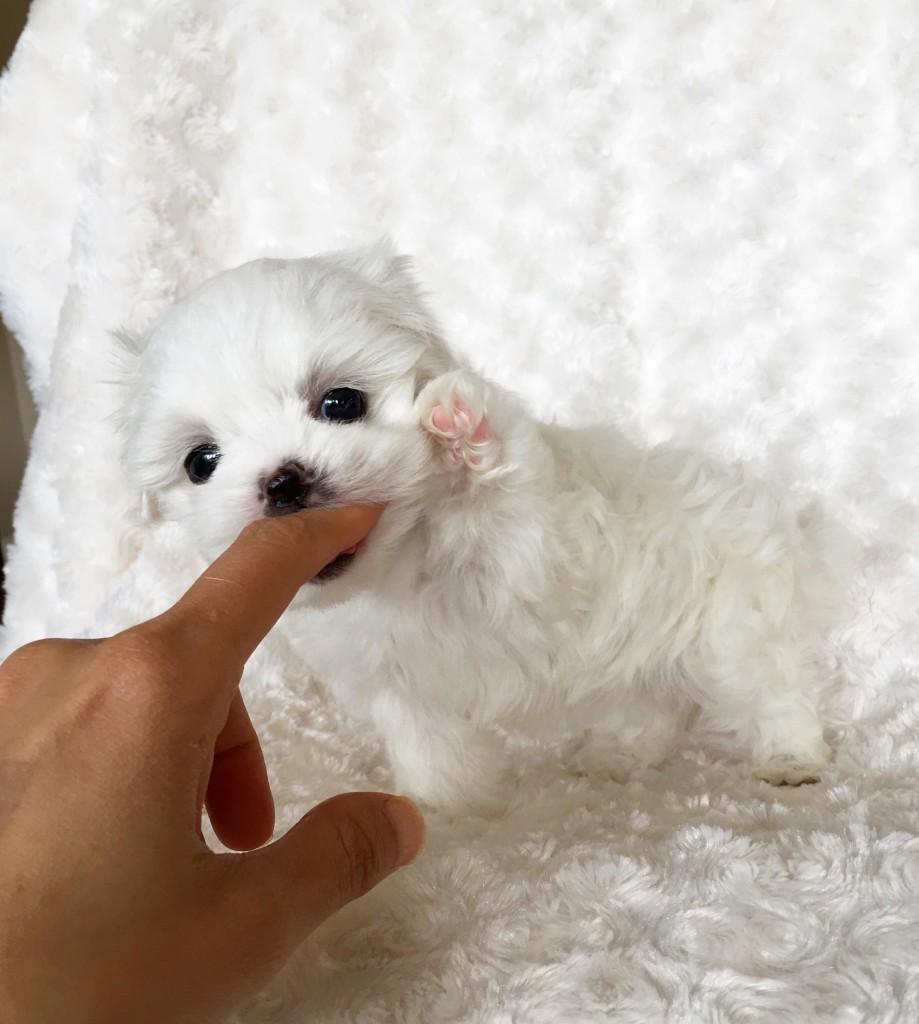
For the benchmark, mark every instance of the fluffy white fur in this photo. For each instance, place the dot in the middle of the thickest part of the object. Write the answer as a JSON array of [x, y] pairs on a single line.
[[523, 575]]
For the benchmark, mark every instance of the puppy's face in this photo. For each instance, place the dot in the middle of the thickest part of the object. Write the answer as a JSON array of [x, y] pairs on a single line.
[[284, 385]]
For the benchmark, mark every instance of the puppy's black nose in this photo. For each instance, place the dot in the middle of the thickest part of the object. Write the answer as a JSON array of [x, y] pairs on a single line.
[[287, 490]]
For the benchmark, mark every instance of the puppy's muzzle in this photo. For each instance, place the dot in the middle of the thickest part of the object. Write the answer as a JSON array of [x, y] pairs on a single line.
[[292, 488]]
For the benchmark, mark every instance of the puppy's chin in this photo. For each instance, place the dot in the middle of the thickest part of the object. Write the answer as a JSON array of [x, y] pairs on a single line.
[[341, 580]]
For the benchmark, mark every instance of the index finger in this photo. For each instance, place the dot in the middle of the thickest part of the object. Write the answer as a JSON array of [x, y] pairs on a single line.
[[228, 610]]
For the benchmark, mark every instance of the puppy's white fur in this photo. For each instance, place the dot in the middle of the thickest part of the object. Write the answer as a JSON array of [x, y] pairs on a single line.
[[522, 575]]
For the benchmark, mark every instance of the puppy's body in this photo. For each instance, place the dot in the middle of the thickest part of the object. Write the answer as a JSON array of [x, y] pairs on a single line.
[[522, 575]]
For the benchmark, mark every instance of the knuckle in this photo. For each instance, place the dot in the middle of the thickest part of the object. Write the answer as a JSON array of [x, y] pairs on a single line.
[[26, 656], [41, 655], [139, 660]]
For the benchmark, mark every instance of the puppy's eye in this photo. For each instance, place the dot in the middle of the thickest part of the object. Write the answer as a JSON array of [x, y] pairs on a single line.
[[201, 462], [343, 404]]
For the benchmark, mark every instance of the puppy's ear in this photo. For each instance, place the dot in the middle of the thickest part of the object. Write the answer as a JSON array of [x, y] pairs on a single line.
[[126, 370], [130, 343], [398, 301], [128, 383], [381, 264]]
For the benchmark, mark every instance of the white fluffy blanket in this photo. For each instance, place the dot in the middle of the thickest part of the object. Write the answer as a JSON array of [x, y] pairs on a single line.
[[700, 218]]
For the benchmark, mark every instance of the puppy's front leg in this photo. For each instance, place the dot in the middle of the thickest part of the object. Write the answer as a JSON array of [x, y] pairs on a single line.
[[490, 521], [438, 757]]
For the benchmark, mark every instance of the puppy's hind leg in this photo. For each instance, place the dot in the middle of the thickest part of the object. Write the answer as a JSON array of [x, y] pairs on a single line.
[[760, 688], [632, 734]]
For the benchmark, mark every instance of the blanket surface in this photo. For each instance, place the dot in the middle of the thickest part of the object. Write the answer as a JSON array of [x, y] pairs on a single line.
[[699, 219]]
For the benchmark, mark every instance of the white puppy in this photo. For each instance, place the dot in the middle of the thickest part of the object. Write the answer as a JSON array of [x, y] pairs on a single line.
[[522, 575]]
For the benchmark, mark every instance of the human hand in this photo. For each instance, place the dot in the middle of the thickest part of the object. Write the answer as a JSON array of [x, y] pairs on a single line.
[[112, 907]]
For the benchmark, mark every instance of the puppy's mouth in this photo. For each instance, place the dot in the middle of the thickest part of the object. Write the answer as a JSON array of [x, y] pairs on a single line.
[[293, 488], [340, 564]]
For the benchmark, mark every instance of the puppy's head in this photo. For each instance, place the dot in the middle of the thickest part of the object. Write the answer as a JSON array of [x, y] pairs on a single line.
[[284, 385]]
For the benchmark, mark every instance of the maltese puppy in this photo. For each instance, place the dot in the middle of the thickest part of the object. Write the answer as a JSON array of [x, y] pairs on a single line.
[[552, 581]]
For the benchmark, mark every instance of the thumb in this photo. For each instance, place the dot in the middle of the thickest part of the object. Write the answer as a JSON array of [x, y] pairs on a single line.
[[338, 851]]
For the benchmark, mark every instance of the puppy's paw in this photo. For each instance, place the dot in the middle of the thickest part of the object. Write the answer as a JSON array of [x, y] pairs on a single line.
[[460, 774], [453, 410], [489, 801], [595, 761], [788, 770]]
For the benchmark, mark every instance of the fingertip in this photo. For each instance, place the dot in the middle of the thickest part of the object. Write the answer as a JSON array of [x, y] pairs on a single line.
[[243, 832], [356, 519], [341, 849], [316, 534], [408, 826], [238, 798]]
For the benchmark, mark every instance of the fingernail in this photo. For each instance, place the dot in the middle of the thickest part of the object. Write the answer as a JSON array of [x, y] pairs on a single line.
[[408, 825]]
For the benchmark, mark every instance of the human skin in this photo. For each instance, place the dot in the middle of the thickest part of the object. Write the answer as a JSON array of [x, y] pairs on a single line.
[[112, 906]]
